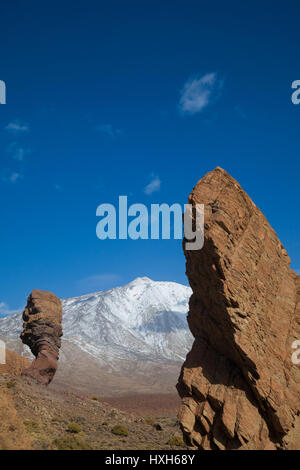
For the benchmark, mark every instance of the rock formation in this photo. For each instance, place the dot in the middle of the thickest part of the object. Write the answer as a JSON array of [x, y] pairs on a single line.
[[238, 385], [42, 330]]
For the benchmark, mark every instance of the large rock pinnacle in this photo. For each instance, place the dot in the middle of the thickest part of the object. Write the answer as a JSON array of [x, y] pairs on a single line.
[[42, 330], [239, 386]]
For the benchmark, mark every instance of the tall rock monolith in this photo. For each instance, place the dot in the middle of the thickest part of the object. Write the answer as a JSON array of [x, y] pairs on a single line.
[[42, 331], [239, 386]]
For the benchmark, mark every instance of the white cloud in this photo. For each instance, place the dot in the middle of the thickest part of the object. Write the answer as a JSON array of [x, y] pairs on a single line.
[[11, 176], [153, 186], [198, 93], [108, 130], [5, 310], [17, 127], [15, 177], [17, 152]]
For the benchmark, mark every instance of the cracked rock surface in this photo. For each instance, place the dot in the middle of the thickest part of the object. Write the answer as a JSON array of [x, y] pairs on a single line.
[[238, 385]]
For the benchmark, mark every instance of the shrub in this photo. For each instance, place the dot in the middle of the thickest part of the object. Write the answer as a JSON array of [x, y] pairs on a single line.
[[31, 426], [149, 421], [56, 421], [71, 443], [11, 384], [95, 398], [175, 440], [120, 430], [74, 428]]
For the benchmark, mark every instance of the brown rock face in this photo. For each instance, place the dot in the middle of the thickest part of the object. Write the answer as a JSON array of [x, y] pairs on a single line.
[[42, 330], [239, 386], [14, 364]]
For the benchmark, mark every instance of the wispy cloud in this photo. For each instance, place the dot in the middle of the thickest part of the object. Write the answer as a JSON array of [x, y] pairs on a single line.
[[153, 186], [15, 177], [17, 127], [199, 92], [99, 282], [109, 130], [17, 151], [11, 176], [5, 310]]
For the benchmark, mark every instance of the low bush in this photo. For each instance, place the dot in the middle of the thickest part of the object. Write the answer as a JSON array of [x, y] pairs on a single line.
[[120, 430], [149, 421], [71, 443], [11, 384], [74, 428], [176, 440], [31, 426]]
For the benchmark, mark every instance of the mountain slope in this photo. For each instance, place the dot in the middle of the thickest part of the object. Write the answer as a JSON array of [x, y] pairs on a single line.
[[130, 338]]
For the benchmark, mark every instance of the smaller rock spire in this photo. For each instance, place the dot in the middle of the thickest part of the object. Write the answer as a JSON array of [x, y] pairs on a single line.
[[42, 330]]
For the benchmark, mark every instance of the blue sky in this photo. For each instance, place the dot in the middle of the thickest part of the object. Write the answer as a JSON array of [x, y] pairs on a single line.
[[106, 99]]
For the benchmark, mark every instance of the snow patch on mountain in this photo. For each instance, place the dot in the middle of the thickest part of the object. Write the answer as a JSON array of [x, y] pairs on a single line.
[[144, 320]]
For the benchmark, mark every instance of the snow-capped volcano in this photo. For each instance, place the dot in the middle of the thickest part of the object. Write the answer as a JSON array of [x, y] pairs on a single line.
[[132, 327], [142, 318]]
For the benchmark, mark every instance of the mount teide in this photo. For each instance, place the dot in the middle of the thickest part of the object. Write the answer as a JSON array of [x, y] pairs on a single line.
[[130, 339]]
